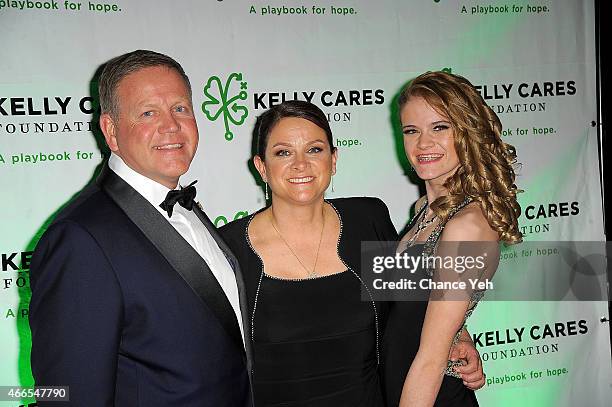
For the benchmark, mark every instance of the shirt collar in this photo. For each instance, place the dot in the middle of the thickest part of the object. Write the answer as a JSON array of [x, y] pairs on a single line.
[[152, 191]]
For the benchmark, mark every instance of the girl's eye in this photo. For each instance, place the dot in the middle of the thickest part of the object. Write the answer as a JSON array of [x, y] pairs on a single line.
[[409, 131]]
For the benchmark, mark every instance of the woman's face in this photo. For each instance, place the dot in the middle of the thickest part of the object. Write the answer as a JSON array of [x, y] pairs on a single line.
[[429, 141], [299, 162]]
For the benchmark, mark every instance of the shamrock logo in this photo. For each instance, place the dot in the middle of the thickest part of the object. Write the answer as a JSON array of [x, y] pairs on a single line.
[[217, 102]]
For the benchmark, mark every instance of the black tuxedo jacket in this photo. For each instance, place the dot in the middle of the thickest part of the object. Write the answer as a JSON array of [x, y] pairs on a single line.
[[126, 313]]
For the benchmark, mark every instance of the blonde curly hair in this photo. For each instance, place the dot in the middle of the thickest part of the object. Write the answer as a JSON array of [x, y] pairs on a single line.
[[486, 171]]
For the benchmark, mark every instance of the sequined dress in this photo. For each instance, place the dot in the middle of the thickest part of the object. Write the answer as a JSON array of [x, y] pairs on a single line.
[[403, 334]]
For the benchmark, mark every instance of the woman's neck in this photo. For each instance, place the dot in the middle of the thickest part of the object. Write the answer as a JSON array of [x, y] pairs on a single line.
[[293, 218], [434, 191]]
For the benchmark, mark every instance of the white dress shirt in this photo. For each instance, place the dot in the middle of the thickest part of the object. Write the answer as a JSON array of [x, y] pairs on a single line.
[[189, 226]]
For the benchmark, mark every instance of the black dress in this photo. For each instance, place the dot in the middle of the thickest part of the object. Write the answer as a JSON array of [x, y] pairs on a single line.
[[315, 341], [401, 342]]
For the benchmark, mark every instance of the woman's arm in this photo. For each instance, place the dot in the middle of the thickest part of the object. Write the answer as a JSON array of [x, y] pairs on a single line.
[[443, 319]]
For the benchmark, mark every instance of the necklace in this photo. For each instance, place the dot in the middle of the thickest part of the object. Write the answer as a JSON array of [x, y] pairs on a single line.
[[309, 273], [422, 225]]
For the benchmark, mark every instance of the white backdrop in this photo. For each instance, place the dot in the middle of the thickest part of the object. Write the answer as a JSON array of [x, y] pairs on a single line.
[[534, 63]]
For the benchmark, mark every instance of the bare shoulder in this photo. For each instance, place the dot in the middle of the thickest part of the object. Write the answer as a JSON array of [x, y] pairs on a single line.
[[469, 224]]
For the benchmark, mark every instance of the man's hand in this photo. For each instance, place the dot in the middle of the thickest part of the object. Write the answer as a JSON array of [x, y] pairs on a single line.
[[471, 372]]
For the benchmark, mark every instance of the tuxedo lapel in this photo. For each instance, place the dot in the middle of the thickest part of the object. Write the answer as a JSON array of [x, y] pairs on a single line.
[[197, 209], [181, 256]]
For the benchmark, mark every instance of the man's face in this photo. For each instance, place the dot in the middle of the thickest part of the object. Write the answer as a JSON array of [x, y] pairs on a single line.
[[156, 133]]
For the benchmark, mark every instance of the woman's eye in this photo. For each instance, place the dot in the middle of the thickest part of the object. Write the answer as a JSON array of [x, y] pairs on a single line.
[[282, 153], [440, 127], [409, 131]]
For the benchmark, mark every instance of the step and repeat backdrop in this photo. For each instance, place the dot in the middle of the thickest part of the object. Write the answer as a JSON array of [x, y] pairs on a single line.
[[533, 62]]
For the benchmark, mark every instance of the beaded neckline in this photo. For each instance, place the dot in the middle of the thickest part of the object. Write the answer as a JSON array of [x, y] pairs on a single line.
[[264, 274], [348, 269], [430, 244]]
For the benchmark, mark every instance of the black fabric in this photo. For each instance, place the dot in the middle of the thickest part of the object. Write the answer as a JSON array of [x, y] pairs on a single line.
[[184, 197], [112, 318], [315, 343], [239, 281], [185, 260], [400, 345], [315, 340]]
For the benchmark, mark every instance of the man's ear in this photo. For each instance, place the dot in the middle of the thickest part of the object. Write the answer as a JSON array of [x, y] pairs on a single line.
[[261, 167], [109, 129]]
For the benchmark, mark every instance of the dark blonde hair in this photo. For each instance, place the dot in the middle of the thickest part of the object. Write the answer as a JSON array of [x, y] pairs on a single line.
[[486, 171]]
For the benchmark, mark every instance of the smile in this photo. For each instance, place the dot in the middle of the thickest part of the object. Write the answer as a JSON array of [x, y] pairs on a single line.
[[169, 146], [300, 180], [428, 158]]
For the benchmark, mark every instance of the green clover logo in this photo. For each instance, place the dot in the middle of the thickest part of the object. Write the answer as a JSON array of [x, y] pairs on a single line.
[[217, 102]]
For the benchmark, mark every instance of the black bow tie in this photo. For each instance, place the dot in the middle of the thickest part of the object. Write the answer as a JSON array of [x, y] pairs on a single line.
[[183, 196]]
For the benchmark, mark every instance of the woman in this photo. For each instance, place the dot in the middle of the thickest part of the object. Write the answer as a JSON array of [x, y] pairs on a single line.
[[453, 141], [315, 342]]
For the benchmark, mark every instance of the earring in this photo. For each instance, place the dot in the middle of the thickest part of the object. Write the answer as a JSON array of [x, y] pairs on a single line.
[[332, 183], [267, 197]]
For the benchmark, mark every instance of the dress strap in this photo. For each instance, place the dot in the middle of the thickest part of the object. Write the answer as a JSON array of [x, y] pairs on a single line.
[[457, 208], [433, 238], [431, 243], [416, 215]]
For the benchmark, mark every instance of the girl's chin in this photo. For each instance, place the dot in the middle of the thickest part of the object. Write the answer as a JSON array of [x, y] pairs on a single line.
[[433, 177]]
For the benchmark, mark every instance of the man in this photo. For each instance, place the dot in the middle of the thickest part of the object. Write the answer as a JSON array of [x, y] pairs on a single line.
[[136, 302]]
